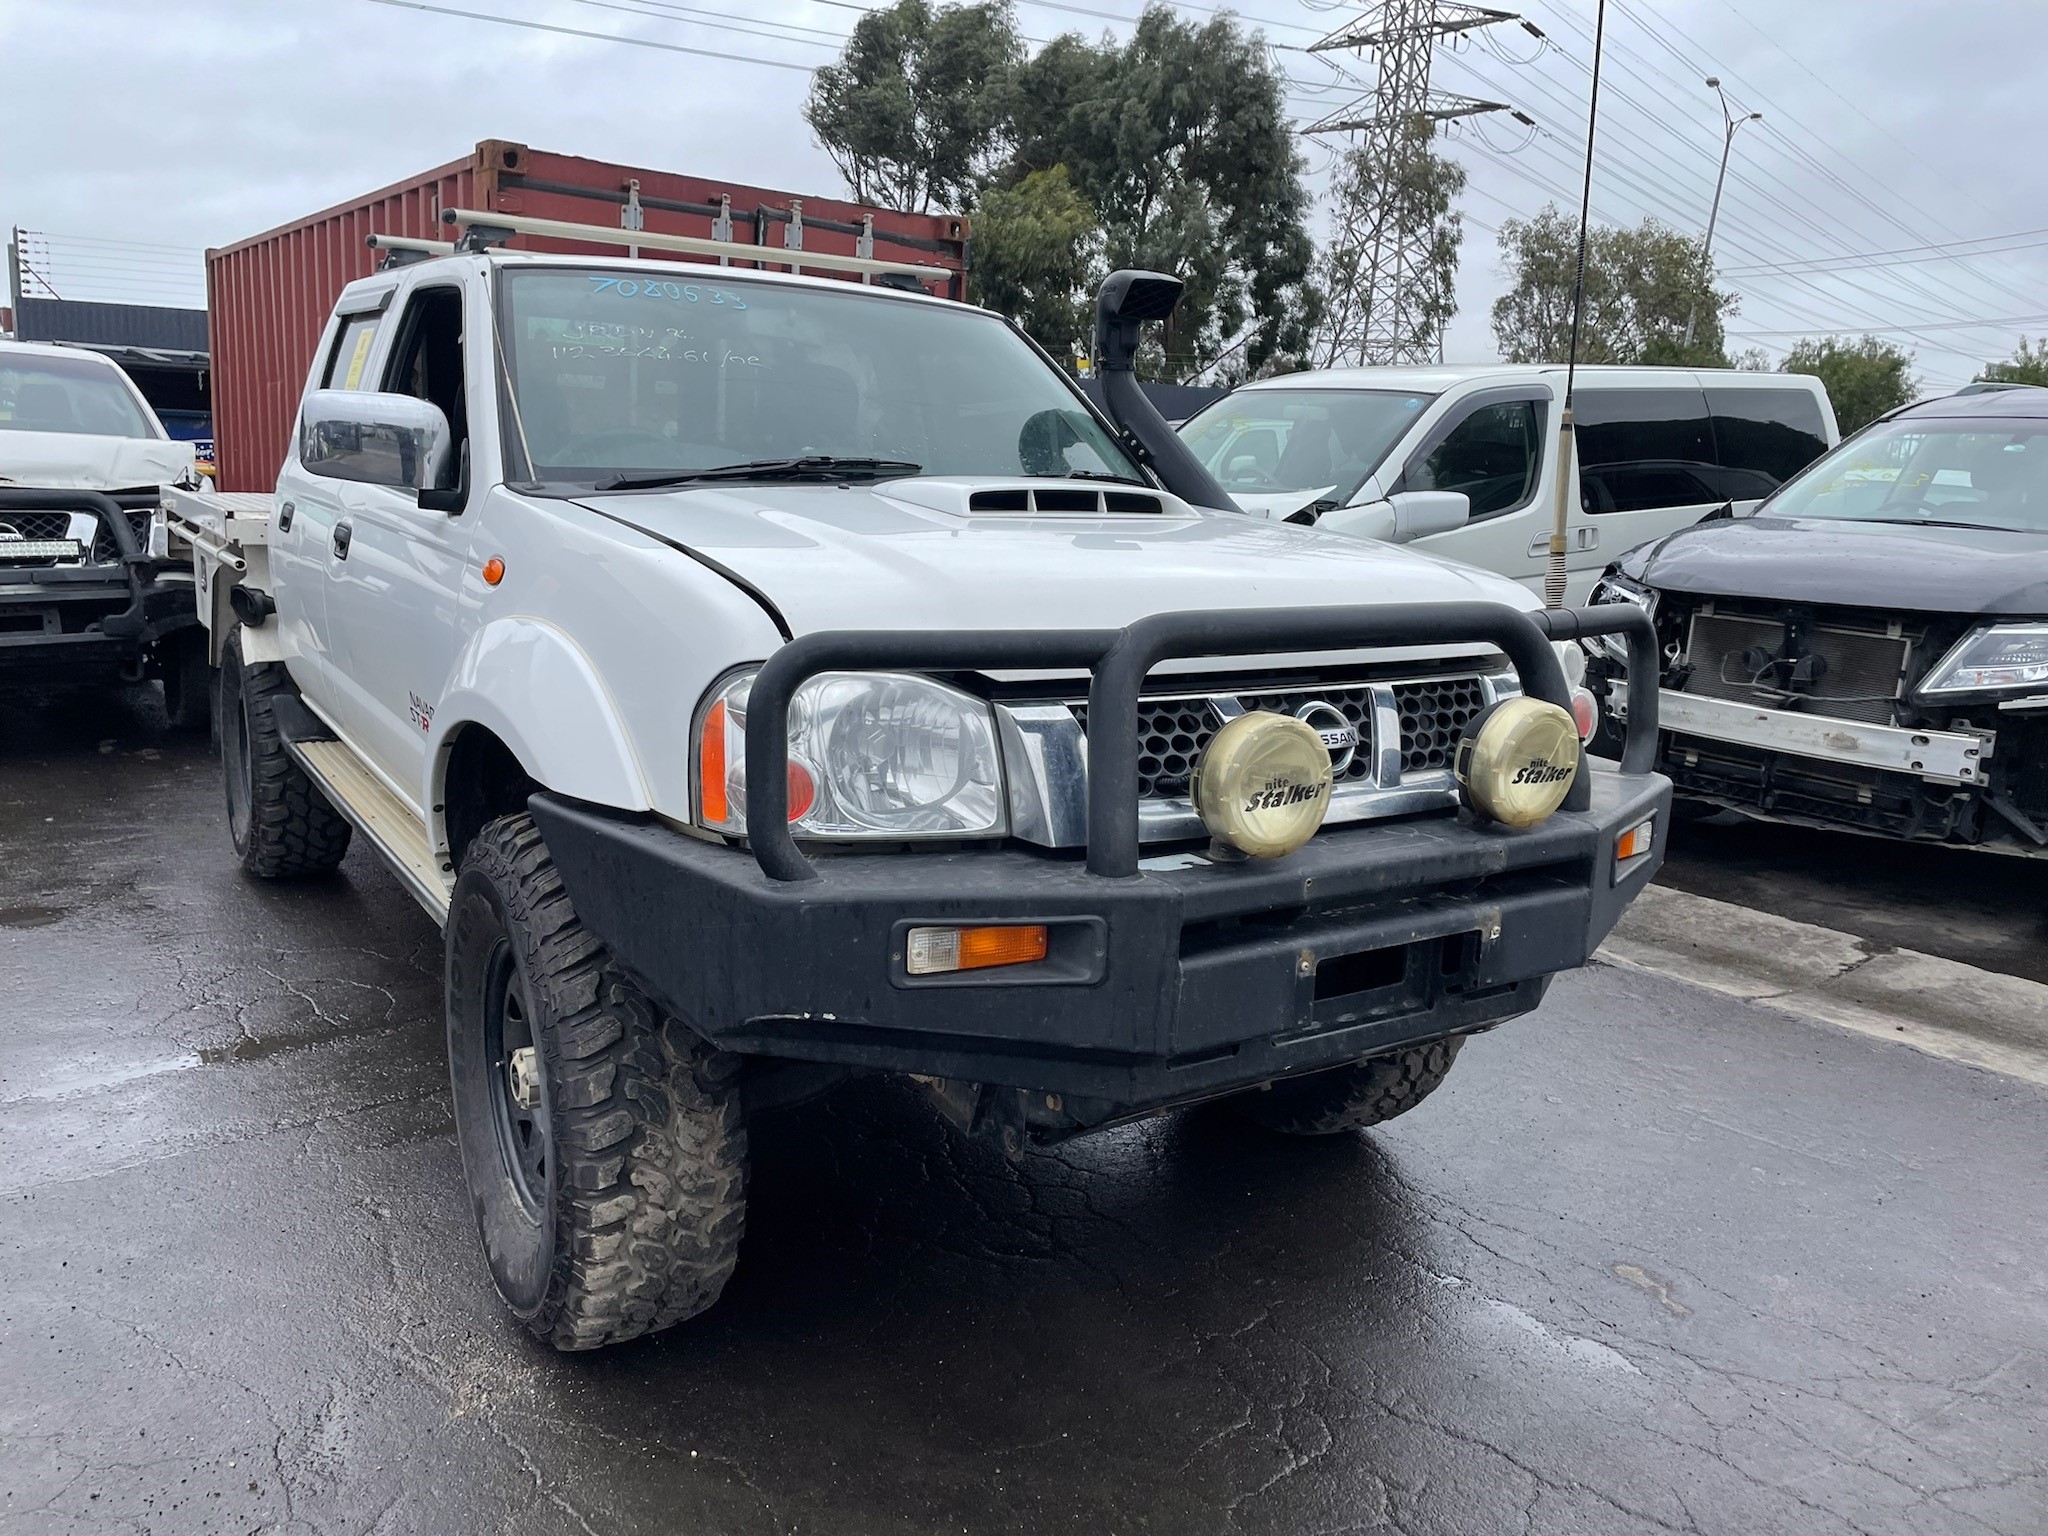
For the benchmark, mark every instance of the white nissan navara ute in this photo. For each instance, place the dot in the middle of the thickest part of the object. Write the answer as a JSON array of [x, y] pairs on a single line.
[[765, 679]]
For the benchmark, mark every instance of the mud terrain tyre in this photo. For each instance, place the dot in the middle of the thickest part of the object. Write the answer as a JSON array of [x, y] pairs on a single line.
[[281, 824], [602, 1141], [1353, 1096]]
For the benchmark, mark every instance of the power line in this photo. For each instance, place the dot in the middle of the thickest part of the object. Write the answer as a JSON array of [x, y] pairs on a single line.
[[603, 37]]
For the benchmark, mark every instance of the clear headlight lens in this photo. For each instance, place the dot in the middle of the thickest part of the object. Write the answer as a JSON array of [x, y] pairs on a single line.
[[1619, 589], [2004, 656], [871, 754]]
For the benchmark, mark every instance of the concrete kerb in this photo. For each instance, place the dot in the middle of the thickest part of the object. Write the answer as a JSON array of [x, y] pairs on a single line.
[[1939, 1006]]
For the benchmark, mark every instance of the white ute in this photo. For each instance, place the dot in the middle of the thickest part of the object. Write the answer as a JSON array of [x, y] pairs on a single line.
[[765, 679]]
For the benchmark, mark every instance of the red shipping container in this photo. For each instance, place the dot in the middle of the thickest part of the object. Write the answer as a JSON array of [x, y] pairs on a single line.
[[268, 297]]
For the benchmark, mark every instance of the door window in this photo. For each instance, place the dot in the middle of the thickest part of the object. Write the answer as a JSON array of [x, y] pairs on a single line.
[[1492, 456], [1640, 449], [351, 354], [1763, 437], [426, 364]]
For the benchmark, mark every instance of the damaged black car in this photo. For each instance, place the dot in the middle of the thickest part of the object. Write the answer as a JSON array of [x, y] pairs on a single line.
[[1868, 649]]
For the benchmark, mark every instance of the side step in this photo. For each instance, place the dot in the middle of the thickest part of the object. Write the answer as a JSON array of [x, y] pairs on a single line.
[[387, 821]]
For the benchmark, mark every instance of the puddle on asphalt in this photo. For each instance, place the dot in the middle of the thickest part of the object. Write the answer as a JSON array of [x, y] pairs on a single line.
[[86, 1077], [1585, 1351], [32, 917]]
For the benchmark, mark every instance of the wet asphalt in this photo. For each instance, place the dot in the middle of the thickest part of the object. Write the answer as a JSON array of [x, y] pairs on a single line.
[[1652, 1260]]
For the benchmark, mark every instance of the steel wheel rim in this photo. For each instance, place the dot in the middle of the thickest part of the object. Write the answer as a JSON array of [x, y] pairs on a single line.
[[521, 1132]]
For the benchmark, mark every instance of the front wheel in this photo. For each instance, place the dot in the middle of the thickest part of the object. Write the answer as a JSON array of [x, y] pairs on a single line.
[[1353, 1096], [602, 1141]]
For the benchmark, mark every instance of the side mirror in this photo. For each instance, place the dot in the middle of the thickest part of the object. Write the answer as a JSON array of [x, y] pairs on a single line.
[[1417, 513], [376, 439]]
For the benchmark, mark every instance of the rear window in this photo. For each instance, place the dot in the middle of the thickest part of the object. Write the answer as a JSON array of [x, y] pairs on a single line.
[[1763, 437], [351, 354], [1645, 448], [40, 393]]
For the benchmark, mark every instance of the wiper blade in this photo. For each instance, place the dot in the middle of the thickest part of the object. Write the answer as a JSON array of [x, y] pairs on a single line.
[[1937, 522], [810, 467]]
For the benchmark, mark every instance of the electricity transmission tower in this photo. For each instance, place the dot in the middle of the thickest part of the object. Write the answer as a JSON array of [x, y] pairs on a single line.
[[1383, 301]]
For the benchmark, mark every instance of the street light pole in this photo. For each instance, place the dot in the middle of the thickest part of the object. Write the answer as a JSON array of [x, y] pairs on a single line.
[[1730, 122]]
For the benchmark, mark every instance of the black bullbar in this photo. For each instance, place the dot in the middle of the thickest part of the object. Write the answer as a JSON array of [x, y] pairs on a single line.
[[1183, 978]]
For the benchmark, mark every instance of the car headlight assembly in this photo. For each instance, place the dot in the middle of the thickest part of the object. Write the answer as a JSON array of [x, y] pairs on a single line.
[[871, 755], [1516, 760], [1619, 589], [2002, 656]]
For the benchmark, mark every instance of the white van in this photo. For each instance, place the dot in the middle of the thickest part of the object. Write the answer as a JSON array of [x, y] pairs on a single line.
[[1372, 452]]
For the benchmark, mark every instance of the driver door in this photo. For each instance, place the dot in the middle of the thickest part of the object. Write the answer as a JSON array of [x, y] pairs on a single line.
[[394, 598]]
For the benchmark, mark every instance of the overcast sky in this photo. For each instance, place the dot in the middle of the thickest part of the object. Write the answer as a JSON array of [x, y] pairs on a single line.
[[1893, 129]]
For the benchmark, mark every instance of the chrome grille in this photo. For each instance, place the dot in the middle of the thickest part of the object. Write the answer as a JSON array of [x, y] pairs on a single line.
[[1861, 680], [1432, 715], [103, 550], [1173, 731], [37, 525]]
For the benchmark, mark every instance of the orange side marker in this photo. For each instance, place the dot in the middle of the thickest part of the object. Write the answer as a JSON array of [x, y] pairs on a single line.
[[494, 571]]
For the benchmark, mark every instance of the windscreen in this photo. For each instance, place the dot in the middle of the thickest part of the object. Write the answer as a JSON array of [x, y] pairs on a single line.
[[1977, 474], [40, 393], [623, 371], [1313, 442]]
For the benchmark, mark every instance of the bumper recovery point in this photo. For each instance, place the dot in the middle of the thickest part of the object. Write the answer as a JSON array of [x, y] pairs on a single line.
[[1180, 982]]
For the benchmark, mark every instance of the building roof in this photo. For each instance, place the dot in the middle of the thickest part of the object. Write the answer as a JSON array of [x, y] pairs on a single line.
[[148, 326]]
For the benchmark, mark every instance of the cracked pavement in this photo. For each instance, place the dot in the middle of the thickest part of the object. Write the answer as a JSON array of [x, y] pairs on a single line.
[[1655, 1259]]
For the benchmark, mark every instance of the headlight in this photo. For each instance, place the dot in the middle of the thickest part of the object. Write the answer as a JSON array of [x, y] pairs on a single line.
[[1619, 589], [871, 755], [2003, 656], [1516, 760]]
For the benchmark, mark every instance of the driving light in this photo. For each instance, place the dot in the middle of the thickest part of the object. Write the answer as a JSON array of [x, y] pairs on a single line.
[[2003, 656], [871, 755], [937, 951], [1516, 760], [1262, 785]]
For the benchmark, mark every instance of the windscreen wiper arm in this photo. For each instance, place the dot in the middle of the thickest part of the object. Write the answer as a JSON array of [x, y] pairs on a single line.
[[815, 466]]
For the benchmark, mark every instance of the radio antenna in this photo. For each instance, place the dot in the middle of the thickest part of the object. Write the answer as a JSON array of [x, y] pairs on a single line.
[[1554, 577]]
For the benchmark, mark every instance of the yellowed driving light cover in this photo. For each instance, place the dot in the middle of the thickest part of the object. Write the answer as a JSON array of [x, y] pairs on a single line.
[[1516, 760], [1262, 785]]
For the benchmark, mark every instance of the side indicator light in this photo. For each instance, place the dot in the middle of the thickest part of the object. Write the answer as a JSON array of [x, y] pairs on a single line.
[[1635, 842], [711, 768], [494, 571], [935, 951]]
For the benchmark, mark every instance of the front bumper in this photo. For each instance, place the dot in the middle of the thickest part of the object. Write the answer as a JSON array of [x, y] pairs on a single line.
[[1188, 980], [78, 621], [86, 622]]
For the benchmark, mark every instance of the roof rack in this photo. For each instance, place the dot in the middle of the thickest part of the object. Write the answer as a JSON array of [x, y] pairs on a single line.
[[488, 229], [403, 251]]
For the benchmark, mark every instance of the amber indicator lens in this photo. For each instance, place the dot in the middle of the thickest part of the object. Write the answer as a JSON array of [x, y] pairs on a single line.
[[936, 951], [1635, 842], [494, 571]]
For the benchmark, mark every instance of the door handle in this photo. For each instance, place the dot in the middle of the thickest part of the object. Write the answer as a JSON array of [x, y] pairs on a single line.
[[284, 517], [342, 534]]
